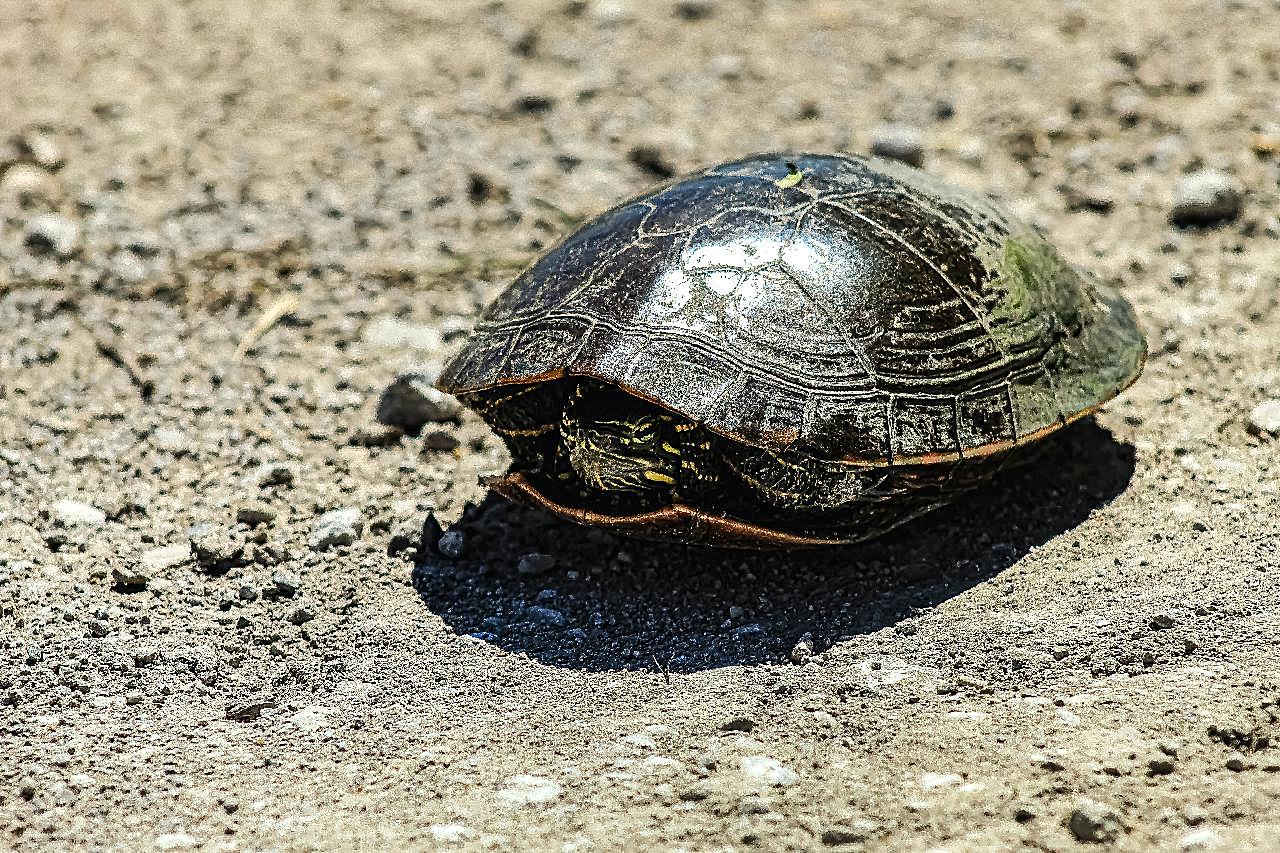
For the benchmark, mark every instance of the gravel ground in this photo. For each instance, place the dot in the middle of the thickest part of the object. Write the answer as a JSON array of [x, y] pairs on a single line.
[[227, 226]]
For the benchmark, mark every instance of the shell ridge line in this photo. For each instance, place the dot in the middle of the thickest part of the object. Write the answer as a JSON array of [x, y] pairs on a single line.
[[583, 339], [628, 366], [889, 432], [716, 217], [898, 238], [1057, 398], [955, 426], [854, 391], [827, 310], [724, 390], [829, 313], [512, 341], [1013, 412]]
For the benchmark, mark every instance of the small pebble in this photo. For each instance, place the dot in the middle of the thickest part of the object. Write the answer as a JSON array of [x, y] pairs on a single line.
[[802, 651], [1205, 197], [441, 440], [1161, 621], [855, 832], [651, 159], [28, 183], [1093, 821], [727, 66], [695, 10], [1200, 839], [1160, 765], [1180, 272], [275, 474], [534, 102], [1236, 762], [50, 232], [249, 709], [738, 724], [43, 149], [215, 547], [769, 771], [452, 544], [1129, 105], [76, 514], [175, 841], [523, 790], [412, 400], [247, 592], [1264, 418], [254, 513], [336, 527], [450, 833], [301, 616], [133, 697], [535, 564], [1092, 197], [545, 616], [972, 152], [170, 440], [609, 13], [378, 435], [127, 579], [898, 142], [1194, 815], [285, 585]]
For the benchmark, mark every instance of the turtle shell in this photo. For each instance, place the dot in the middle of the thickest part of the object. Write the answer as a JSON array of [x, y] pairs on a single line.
[[854, 309]]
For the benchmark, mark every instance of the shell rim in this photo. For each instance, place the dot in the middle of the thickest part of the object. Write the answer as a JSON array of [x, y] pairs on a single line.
[[720, 529], [980, 451]]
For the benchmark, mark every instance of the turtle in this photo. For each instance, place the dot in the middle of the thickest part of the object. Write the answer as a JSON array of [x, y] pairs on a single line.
[[788, 350]]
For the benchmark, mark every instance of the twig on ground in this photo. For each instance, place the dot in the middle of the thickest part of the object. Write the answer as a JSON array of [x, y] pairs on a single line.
[[110, 349], [274, 313]]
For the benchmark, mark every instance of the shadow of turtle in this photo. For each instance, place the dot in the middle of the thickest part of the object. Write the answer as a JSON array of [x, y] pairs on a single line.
[[593, 601]]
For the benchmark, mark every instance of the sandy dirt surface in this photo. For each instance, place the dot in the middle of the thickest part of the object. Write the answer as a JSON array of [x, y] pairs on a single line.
[[218, 627]]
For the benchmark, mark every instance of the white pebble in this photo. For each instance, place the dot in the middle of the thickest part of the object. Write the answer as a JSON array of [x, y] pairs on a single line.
[[770, 771], [75, 513], [166, 557], [526, 790], [53, 233], [1204, 197], [450, 833], [1265, 417], [336, 527], [1200, 839], [929, 781], [898, 142]]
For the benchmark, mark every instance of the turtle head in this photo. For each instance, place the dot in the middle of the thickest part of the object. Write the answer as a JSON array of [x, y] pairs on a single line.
[[618, 443]]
